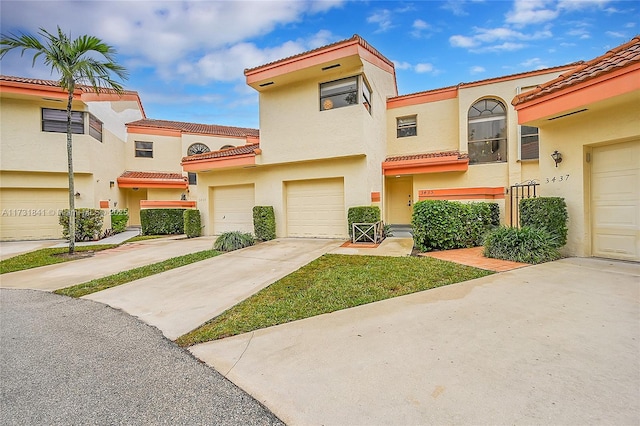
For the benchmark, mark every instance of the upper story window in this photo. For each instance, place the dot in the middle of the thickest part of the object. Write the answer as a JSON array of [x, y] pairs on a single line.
[[344, 92], [407, 126], [95, 127], [529, 143], [55, 120], [193, 178], [144, 149], [197, 148], [487, 132]]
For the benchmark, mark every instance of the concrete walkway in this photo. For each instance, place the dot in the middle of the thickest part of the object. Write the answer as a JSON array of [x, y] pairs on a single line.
[[103, 263], [182, 299], [557, 343]]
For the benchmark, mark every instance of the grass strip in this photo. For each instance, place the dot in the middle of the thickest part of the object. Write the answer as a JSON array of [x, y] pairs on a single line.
[[124, 277], [330, 283], [44, 257]]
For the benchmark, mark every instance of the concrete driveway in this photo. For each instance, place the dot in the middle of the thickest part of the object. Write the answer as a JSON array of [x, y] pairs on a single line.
[[557, 343], [182, 299]]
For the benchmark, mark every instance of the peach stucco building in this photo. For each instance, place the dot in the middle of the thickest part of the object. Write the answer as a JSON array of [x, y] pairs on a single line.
[[334, 134]]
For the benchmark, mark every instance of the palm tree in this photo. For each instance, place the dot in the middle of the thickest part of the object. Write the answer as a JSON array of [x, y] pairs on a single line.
[[85, 61]]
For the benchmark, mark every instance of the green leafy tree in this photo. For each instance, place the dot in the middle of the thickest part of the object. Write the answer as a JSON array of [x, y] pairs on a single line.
[[84, 61]]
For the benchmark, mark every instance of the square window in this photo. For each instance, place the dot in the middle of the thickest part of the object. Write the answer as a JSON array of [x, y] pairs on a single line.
[[55, 120], [193, 180], [407, 126], [339, 93], [144, 149]]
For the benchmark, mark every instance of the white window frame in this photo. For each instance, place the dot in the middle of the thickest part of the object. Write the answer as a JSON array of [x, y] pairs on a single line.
[[139, 149], [362, 93], [403, 128]]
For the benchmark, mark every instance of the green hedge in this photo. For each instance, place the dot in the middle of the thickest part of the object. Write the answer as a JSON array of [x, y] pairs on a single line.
[[192, 223], [162, 221], [528, 245], [548, 213], [88, 224], [119, 220], [362, 214], [444, 225], [264, 223]]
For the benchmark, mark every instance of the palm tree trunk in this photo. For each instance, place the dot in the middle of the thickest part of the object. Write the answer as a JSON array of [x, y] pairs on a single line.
[[72, 199]]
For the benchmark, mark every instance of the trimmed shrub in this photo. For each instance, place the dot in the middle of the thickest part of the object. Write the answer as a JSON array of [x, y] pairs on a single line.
[[362, 214], [233, 240], [192, 223], [548, 213], [264, 223], [528, 245], [162, 221], [445, 225], [88, 223], [119, 220]]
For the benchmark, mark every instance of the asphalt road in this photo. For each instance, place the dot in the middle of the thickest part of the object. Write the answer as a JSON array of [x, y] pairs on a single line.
[[70, 361]]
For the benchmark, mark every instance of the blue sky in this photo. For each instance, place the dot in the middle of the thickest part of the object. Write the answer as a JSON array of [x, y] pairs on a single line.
[[186, 58]]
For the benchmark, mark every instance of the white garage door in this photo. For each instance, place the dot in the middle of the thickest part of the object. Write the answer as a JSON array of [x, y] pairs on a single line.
[[615, 201], [315, 208], [31, 214], [232, 208]]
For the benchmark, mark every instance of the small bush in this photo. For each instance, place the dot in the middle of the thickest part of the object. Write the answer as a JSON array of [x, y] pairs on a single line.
[[192, 223], [233, 240], [264, 223], [445, 225], [362, 214], [88, 224], [548, 213], [119, 220], [162, 221], [527, 245]]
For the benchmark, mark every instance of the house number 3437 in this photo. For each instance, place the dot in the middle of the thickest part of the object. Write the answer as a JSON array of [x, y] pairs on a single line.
[[554, 179]]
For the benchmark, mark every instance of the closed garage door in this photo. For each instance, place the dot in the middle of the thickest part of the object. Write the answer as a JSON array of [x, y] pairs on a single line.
[[615, 201], [315, 208], [232, 208], [31, 214]]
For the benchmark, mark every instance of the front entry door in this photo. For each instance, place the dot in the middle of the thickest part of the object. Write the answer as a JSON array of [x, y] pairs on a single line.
[[400, 200]]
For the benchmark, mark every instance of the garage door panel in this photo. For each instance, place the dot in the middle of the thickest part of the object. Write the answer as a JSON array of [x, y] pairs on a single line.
[[615, 201], [29, 214], [315, 208], [232, 208]]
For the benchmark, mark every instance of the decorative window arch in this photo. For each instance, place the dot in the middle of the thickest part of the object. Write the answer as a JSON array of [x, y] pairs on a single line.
[[227, 147], [487, 131], [197, 148]]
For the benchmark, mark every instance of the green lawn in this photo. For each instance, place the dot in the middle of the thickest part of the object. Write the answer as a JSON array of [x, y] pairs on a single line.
[[47, 256], [104, 283], [330, 283]]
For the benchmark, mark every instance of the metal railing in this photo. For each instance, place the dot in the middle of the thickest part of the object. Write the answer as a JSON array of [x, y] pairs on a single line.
[[367, 232]]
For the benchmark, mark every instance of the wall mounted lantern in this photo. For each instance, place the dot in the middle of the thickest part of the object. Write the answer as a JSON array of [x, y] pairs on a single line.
[[557, 157]]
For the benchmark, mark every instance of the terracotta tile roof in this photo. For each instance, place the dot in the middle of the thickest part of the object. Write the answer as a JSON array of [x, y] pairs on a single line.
[[355, 38], [224, 153], [55, 83], [570, 66], [615, 59], [206, 129], [152, 175], [428, 155]]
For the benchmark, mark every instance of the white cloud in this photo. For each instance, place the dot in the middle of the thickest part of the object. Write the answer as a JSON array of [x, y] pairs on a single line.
[[402, 65], [423, 68], [484, 39], [382, 18], [527, 12], [477, 69], [462, 41], [419, 27], [630, 25], [572, 5], [616, 34], [165, 33], [456, 7]]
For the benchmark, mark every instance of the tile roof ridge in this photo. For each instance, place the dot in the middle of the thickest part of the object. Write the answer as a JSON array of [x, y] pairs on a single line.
[[354, 38], [175, 124], [56, 83], [226, 152]]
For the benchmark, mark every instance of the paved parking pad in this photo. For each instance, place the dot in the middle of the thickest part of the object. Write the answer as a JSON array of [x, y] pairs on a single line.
[[557, 343], [182, 299]]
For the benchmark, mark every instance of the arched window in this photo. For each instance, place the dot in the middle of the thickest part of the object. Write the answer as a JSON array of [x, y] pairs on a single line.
[[227, 147], [197, 148], [487, 132]]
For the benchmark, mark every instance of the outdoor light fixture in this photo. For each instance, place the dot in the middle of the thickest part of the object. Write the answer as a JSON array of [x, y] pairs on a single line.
[[557, 157], [77, 194]]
